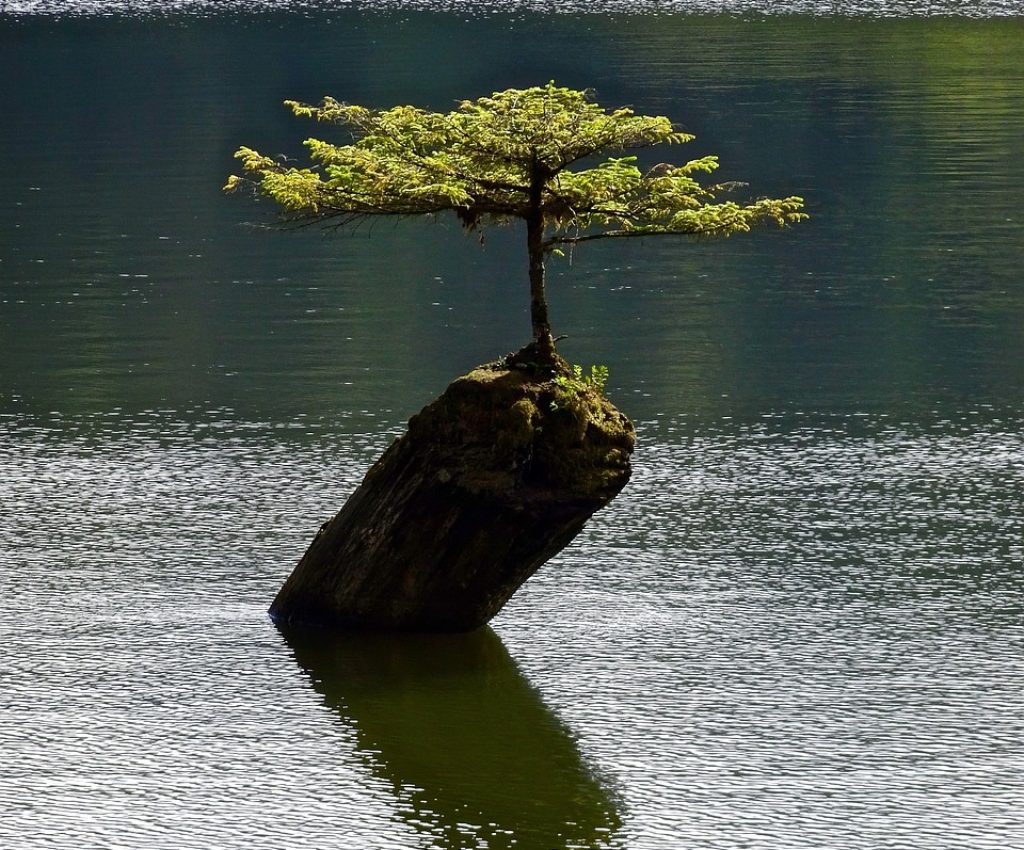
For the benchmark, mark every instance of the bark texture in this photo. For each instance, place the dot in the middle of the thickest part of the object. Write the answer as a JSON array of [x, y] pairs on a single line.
[[490, 481]]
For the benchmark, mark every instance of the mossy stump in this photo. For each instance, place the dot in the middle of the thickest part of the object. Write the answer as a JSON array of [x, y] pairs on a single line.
[[490, 481]]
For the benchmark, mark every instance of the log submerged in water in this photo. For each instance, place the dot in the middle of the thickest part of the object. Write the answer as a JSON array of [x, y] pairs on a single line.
[[491, 480]]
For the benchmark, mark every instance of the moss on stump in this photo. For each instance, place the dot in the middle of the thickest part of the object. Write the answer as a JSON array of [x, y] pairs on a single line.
[[491, 480]]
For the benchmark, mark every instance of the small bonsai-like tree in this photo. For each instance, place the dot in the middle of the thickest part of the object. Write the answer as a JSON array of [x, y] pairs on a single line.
[[524, 154]]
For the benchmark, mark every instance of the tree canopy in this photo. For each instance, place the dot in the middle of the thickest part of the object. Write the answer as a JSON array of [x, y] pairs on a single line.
[[519, 154]]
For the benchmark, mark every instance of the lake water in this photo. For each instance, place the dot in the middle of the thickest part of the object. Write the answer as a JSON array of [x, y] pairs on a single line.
[[800, 626]]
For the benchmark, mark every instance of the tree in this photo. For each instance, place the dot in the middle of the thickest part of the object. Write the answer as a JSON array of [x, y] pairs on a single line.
[[503, 470], [519, 154]]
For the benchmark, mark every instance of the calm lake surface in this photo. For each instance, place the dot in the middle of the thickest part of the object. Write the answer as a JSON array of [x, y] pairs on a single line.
[[801, 625]]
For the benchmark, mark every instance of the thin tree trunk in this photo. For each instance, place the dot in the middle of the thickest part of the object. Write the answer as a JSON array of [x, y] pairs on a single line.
[[538, 300], [535, 247]]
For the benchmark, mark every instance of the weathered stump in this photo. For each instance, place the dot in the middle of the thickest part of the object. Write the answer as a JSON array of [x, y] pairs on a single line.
[[490, 481]]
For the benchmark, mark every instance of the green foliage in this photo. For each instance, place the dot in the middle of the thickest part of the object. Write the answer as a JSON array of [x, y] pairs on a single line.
[[518, 154], [514, 154], [570, 387], [577, 382]]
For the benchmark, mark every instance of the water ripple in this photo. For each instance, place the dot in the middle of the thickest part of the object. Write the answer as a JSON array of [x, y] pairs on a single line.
[[783, 634], [859, 8]]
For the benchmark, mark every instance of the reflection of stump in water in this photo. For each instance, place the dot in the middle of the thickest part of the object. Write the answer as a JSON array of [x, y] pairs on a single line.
[[464, 739]]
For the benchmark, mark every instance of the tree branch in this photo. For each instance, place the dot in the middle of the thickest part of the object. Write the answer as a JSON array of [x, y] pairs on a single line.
[[629, 234]]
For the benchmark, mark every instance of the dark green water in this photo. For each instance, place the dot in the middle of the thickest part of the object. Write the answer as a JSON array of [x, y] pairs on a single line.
[[801, 625]]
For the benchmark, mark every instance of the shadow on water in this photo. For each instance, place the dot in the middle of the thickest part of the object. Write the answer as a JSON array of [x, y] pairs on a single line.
[[474, 756]]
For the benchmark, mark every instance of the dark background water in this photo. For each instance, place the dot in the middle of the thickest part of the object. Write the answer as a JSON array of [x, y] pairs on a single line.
[[130, 281], [799, 627]]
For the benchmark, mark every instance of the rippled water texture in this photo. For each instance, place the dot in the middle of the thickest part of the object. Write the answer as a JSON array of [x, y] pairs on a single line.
[[880, 8], [799, 627], [786, 635]]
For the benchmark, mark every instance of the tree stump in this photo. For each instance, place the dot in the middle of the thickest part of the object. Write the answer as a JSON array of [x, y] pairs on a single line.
[[491, 480]]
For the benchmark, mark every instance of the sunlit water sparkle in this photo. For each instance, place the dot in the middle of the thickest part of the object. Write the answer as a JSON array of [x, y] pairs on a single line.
[[870, 8], [779, 635], [800, 626]]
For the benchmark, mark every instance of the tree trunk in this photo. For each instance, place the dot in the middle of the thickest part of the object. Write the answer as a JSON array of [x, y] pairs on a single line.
[[491, 480], [535, 248], [538, 298]]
